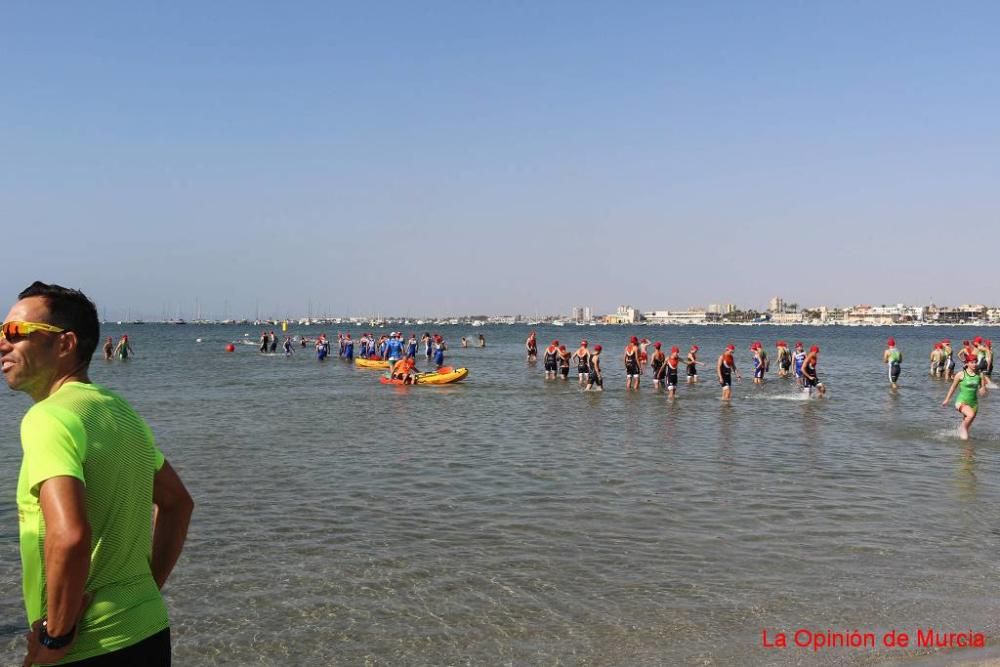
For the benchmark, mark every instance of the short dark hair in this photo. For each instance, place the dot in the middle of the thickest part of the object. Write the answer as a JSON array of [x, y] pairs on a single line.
[[71, 310]]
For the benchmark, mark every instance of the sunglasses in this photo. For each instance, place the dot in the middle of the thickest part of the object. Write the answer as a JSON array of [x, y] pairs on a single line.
[[15, 330]]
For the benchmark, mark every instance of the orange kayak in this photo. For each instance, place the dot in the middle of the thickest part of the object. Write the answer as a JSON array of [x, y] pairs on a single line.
[[444, 375]]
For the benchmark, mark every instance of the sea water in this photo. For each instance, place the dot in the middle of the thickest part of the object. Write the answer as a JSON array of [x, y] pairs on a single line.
[[514, 520]]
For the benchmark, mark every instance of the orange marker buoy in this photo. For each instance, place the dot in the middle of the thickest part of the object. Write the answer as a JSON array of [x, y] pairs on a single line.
[[230, 348]]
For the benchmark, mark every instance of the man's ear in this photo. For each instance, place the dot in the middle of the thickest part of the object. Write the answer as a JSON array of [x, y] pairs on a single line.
[[68, 344]]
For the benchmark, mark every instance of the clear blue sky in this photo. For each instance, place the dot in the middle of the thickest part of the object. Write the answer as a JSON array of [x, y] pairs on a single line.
[[466, 157]]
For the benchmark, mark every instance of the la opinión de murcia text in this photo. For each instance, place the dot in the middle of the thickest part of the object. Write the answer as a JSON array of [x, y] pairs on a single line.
[[815, 639]]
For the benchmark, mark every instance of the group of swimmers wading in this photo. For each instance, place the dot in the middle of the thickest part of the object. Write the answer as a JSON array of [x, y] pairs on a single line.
[[392, 347], [666, 367], [976, 357], [557, 362], [800, 365], [971, 382]]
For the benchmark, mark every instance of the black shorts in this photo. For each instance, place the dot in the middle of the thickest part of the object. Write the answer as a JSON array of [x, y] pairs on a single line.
[[596, 380], [564, 371], [550, 365], [631, 368], [785, 365], [692, 370], [727, 380], [671, 377], [806, 382], [152, 651], [894, 370], [583, 370]]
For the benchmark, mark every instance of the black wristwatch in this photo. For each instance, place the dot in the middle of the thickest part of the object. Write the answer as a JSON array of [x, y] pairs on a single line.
[[54, 643]]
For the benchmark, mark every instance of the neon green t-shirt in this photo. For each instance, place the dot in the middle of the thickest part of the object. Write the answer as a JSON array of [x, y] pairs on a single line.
[[90, 433]]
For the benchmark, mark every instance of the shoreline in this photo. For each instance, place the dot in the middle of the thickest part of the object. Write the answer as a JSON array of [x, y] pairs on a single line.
[[479, 323]]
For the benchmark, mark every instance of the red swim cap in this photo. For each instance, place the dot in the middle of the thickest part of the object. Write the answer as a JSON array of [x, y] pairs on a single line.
[[634, 340], [555, 342], [798, 344], [730, 347], [583, 343], [674, 349], [695, 347], [892, 342], [977, 339], [562, 347], [814, 348], [947, 341], [657, 345], [598, 348], [938, 346]]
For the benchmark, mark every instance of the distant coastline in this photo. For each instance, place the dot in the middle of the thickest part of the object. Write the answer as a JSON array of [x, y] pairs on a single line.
[[352, 322], [778, 313]]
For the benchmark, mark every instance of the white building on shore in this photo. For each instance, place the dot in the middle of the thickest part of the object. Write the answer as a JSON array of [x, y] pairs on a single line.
[[899, 312], [786, 318], [689, 316], [624, 315]]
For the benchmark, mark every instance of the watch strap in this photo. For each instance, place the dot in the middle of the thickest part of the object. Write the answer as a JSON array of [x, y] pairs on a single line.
[[54, 643]]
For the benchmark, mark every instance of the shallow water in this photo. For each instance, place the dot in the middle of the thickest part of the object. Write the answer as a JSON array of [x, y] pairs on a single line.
[[513, 520]]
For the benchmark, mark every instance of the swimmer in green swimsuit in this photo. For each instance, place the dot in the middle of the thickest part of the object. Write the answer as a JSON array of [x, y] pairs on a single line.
[[894, 358], [124, 348], [970, 384]]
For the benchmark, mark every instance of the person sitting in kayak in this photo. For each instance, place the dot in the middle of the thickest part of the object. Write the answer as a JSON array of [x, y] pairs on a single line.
[[403, 370]]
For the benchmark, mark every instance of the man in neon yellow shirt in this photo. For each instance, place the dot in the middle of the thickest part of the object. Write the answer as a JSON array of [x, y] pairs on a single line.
[[91, 480]]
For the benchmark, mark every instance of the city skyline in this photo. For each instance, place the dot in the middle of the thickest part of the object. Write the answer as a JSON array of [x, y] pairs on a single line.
[[625, 313]]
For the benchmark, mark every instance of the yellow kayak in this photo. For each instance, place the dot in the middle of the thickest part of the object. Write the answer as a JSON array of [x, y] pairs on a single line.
[[371, 363], [446, 375]]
